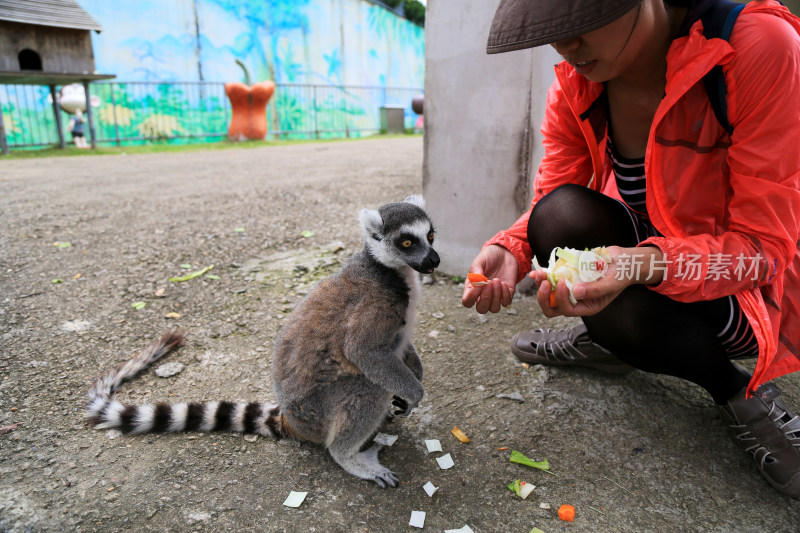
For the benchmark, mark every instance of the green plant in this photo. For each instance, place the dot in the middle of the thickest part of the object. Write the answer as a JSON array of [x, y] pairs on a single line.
[[393, 3], [415, 12]]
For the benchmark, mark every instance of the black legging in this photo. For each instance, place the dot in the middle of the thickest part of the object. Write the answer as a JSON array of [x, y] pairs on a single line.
[[643, 328]]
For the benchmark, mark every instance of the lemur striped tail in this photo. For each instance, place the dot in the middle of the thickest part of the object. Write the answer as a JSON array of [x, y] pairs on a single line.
[[103, 412]]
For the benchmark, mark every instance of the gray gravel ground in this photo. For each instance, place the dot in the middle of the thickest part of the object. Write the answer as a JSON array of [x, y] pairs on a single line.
[[637, 453]]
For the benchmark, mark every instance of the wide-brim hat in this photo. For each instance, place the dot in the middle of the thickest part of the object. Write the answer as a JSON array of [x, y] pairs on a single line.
[[522, 24]]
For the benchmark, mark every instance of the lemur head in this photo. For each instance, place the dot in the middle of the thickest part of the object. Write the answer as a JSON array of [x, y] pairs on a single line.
[[401, 234]]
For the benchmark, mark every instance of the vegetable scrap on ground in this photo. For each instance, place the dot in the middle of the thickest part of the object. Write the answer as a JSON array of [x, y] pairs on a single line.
[[522, 489]]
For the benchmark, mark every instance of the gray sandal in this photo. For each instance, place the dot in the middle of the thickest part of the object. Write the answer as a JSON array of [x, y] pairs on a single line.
[[564, 348], [770, 432]]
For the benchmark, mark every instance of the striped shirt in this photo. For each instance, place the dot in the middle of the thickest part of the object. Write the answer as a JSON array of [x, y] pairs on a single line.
[[629, 174], [737, 337]]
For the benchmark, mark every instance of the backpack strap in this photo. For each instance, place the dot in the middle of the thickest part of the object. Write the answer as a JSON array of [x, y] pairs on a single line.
[[718, 22]]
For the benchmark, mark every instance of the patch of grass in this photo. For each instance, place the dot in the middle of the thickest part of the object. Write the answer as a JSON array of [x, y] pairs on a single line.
[[151, 148]]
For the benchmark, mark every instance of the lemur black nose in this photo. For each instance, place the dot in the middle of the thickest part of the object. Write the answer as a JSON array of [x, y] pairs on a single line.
[[431, 261]]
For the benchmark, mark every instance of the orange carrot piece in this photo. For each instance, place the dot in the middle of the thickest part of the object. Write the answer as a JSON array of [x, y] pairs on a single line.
[[477, 279], [567, 513], [460, 435], [553, 301]]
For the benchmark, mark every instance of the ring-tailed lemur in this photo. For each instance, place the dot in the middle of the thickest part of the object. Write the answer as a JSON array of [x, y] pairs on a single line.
[[343, 357]]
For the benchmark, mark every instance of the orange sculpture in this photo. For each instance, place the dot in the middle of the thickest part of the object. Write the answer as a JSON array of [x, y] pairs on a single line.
[[248, 109]]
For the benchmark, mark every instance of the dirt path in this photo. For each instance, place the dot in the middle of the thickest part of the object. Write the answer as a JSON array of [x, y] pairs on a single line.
[[635, 453]]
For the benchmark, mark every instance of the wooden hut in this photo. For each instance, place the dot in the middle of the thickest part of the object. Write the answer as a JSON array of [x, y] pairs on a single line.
[[47, 42]]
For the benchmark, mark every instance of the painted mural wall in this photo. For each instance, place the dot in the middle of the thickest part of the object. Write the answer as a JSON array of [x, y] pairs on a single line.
[[328, 42], [336, 63]]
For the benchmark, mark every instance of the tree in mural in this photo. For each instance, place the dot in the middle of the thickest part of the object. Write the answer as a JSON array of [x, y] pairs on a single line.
[[388, 27], [266, 22]]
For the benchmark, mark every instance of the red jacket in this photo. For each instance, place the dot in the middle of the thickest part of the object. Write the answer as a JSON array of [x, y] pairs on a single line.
[[712, 195]]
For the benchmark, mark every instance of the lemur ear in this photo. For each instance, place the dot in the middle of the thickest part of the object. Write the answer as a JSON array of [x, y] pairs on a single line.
[[416, 200], [371, 223]]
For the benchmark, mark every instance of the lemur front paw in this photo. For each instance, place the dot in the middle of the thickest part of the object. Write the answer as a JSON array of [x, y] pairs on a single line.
[[401, 407]]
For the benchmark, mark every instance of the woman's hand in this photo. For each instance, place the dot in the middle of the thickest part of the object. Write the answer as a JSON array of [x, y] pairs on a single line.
[[500, 266], [629, 266]]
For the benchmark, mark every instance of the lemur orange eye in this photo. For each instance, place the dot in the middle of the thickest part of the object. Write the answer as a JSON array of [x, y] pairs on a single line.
[[430, 237], [406, 243]]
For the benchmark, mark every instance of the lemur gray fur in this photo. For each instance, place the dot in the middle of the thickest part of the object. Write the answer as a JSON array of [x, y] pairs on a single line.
[[342, 359]]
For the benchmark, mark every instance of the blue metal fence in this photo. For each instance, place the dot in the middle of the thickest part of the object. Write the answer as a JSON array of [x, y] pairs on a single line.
[[187, 112]]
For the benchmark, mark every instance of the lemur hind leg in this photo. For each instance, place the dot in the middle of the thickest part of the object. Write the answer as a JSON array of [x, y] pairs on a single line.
[[364, 465], [355, 424]]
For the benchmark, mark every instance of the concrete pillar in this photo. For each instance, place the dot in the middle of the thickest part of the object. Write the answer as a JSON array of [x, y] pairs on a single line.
[[62, 143], [482, 118], [3, 139], [89, 116], [793, 5]]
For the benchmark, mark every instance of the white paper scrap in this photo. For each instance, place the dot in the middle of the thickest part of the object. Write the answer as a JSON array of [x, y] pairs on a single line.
[[465, 529], [445, 461], [386, 440], [429, 488], [295, 499], [433, 445], [417, 519]]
